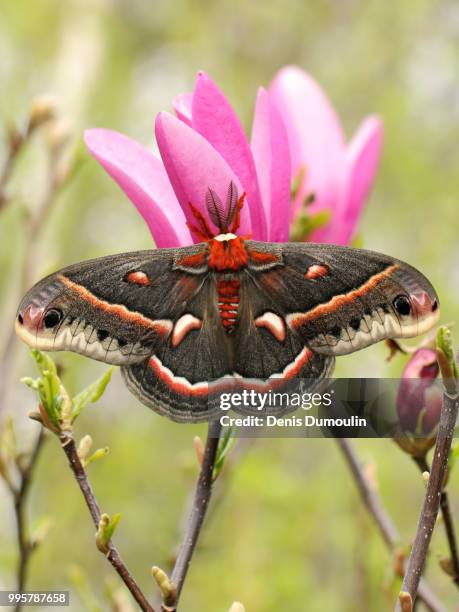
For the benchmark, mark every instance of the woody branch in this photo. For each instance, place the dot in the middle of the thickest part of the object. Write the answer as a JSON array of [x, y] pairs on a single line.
[[111, 552], [382, 519], [198, 511], [435, 485]]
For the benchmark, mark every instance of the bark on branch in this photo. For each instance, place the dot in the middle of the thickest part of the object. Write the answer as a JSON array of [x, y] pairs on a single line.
[[113, 556], [432, 498], [195, 521], [383, 521]]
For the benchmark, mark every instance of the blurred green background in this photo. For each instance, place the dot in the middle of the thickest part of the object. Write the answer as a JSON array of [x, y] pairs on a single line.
[[287, 529]]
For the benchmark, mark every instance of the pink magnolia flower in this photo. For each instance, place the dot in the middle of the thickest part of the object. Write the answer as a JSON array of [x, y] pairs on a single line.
[[338, 177], [419, 400], [204, 148]]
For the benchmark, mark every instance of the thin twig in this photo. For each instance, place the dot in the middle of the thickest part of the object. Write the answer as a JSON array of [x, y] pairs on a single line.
[[382, 519], [113, 556], [432, 498], [32, 231], [369, 496], [15, 145], [200, 503], [223, 482], [421, 462], [25, 545], [42, 110]]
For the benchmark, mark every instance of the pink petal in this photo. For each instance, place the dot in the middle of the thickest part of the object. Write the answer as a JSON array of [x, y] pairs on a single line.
[[182, 106], [272, 160], [315, 135], [214, 119], [334, 232], [422, 364], [416, 391], [194, 166], [433, 399], [143, 179], [362, 159]]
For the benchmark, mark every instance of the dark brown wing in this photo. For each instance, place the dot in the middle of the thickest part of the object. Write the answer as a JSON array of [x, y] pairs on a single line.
[[265, 347], [337, 300], [116, 309], [152, 312], [183, 379]]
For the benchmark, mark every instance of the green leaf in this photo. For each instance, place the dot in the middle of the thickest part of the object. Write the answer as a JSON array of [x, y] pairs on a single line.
[[105, 530], [58, 411], [91, 394], [224, 446], [110, 529], [50, 397], [48, 386], [44, 362], [98, 454], [297, 182], [446, 357], [445, 343], [357, 241], [30, 382], [306, 223]]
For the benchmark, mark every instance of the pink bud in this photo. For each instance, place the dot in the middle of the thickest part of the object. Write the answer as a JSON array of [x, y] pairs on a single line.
[[418, 393]]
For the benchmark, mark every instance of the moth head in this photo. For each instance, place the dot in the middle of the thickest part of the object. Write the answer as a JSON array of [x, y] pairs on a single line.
[[41, 314], [39, 319], [414, 303], [51, 317]]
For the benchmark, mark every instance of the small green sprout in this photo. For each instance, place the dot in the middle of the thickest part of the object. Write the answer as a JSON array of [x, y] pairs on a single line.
[[105, 531], [57, 411]]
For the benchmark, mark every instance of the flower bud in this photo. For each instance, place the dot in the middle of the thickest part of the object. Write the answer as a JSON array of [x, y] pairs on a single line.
[[84, 447], [166, 586], [42, 109], [406, 601], [237, 607], [419, 400], [58, 134]]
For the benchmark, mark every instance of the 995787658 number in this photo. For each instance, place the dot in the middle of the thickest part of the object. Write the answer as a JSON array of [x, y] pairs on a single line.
[[34, 598]]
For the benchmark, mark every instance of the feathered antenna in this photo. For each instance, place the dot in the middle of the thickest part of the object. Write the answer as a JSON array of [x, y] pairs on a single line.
[[216, 210], [231, 203], [221, 214]]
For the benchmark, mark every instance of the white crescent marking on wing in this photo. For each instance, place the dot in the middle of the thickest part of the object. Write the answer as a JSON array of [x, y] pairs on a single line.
[[185, 324], [273, 323]]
